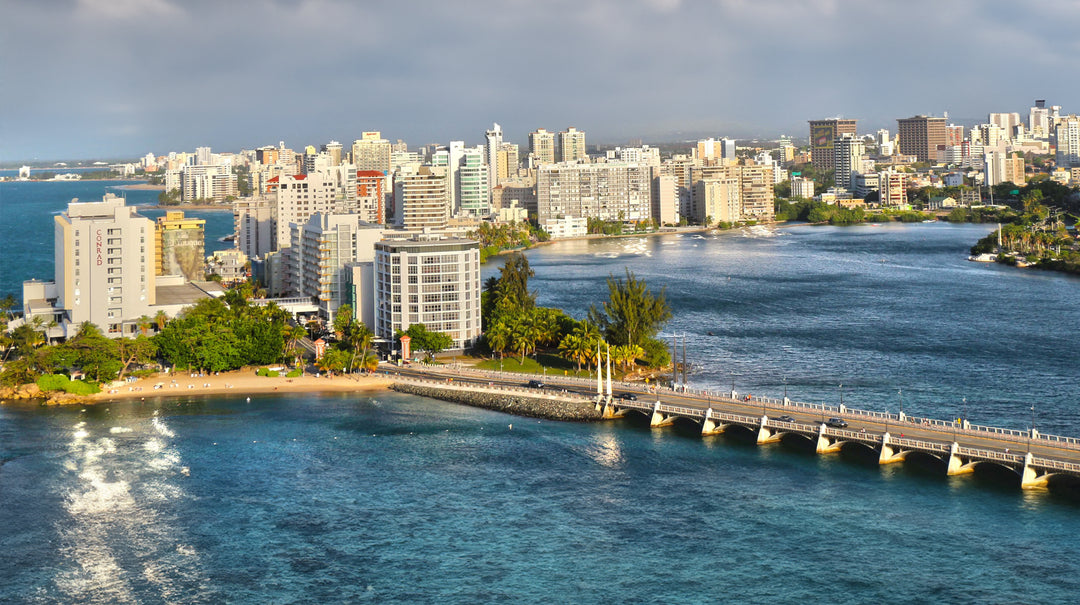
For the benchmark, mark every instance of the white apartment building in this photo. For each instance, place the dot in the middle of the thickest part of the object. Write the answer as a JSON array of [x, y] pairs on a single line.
[[320, 261], [848, 151], [611, 191], [421, 198], [435, 282], [1067, 137]]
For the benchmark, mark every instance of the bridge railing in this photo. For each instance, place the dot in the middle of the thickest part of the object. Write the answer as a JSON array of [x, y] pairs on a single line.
[[767, 402]]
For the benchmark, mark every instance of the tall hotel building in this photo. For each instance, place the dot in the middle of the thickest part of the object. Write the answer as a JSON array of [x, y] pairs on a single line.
[[433, 282], [372, 152], [823, 136], [920, 136], [104, 254]]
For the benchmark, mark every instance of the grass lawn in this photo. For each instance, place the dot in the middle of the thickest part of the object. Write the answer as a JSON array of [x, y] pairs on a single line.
[[556, 366]]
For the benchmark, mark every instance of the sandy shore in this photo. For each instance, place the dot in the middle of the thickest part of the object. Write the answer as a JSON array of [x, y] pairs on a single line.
[[240, 382], [142, 186]]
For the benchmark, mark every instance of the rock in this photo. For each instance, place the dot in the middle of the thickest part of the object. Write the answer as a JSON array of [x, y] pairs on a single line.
[[517, 404]]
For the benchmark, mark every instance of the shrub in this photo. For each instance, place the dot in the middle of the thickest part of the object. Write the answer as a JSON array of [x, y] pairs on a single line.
[[266, 372], [294, 373], [60, 382]]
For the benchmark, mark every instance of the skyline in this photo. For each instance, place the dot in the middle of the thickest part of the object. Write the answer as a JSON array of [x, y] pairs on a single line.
[[101, 78]]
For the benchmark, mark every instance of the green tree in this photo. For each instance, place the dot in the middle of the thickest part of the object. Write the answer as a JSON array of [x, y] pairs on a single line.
[[139, 350], [425, 340], [632, 313]]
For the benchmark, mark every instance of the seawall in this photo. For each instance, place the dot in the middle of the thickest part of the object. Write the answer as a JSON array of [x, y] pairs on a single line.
[[518, 405]]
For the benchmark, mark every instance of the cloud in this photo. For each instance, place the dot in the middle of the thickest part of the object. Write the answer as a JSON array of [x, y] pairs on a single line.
[[174, 75]]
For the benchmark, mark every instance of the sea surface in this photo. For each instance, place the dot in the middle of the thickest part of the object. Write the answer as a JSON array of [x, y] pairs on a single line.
[[389, 498], [27, 209]]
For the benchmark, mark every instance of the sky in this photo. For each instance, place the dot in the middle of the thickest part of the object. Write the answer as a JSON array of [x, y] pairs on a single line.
[[120, 78]]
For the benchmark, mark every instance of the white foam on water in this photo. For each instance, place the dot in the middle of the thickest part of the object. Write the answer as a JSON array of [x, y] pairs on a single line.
[[119, 429]]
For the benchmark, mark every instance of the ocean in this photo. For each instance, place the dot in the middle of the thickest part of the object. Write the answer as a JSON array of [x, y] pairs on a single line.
[[26, 223], [389, 498]]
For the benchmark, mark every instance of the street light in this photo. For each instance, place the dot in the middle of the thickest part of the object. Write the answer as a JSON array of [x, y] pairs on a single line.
[[900, 395], [841, 396], [785, 390]]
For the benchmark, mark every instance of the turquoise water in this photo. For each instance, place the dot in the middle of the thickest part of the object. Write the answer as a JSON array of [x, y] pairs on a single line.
[[398, 499], [26, 224]]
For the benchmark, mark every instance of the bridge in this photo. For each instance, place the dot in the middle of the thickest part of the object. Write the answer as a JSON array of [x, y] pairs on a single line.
[[961, 447]]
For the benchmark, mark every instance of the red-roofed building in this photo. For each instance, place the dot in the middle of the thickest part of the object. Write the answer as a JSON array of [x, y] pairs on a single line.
[[370, 195]]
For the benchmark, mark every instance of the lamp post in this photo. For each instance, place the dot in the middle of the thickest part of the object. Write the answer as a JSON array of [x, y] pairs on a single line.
[[841, 396], [963, 414], [900, 396], [785, 390]]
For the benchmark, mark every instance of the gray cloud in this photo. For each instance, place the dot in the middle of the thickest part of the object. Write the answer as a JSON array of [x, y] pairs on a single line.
[[122, 77]]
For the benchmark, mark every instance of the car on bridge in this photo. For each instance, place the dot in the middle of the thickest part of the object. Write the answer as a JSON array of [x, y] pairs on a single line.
[[786, 418], [836, 423], [627, 396], [535, 384]]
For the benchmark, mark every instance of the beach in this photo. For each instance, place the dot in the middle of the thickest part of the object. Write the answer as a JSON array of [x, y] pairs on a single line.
[[239, 382]]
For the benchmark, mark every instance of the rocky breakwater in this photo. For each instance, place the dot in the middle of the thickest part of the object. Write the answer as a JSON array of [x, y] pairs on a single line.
[[519, 404]]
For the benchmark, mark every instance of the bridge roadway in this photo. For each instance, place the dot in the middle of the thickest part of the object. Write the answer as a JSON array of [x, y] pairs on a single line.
[[961, 448]]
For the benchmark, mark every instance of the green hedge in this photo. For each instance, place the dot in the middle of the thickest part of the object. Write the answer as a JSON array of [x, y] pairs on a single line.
[[60, 382], [266, 372], [294, 373]]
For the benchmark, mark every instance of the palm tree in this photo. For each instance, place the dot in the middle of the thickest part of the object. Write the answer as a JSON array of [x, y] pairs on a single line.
[[161, 319], [524, 336], [498, 338], [575, 348], [144, 324]]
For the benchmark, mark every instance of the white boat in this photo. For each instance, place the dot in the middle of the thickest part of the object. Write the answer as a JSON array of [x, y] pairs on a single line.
[[985, 257]]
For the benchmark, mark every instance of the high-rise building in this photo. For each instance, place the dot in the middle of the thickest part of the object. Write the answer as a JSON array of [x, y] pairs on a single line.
[[435, 282], [611, 191], [921, 136], [203, 156], [473, 193], [371, 196], [333, 149], [298, 197], [718, 199], [665, 198], [202, 182], [823, 135], [1009, 123], [542, 147], [849, 150], [954, 134], [421, 198], [758, 195], [571, 147], [506, 162], [1067, 139], [253, 224], [371, 152], [1001, 167], [104, 255], [179, 246], [493, 140], [319, 260]]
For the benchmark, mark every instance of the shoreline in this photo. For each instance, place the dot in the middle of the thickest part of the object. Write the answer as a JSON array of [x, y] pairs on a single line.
[[237, 382]]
